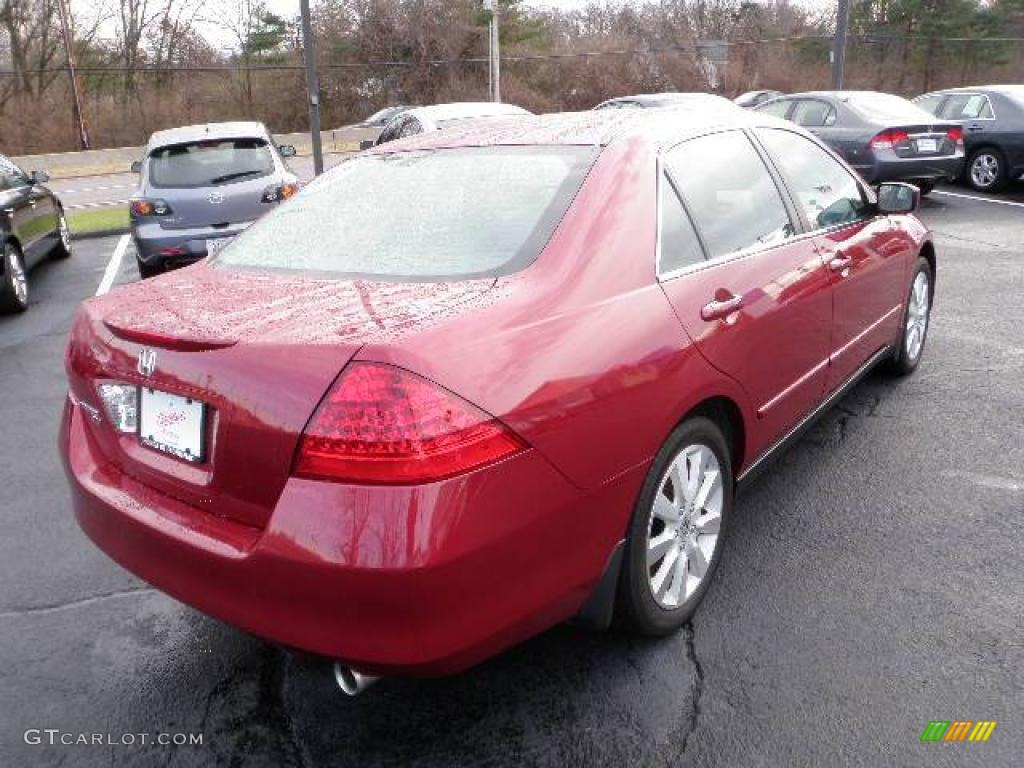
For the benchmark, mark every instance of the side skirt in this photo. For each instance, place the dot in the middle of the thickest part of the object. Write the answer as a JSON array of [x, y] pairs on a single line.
[[764, 460]]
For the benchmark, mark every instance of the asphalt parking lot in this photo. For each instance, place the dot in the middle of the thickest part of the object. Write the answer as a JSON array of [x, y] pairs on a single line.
[[871, 583]]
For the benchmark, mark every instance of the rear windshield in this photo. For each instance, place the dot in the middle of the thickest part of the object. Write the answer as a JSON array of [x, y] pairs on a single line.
[[427, 215], [884, 106], [210, 163]]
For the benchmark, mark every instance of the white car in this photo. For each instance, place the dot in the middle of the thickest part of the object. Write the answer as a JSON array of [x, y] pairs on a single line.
[[441, 116]]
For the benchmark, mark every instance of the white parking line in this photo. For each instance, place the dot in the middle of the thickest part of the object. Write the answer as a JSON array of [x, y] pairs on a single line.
[[83, 190], [979, 199], [106, 204], [113, 266]]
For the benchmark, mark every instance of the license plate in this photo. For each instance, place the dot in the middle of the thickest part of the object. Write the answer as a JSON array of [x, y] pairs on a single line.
[[172, 424], [214, 247], [927, 145]]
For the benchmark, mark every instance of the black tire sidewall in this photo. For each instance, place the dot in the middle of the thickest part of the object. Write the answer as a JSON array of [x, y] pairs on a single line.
[[1000, 177], [640, 611], [9, 302], [902, 363]]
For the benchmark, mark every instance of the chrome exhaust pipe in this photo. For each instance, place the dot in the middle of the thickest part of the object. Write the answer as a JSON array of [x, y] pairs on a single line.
[[351, 682]]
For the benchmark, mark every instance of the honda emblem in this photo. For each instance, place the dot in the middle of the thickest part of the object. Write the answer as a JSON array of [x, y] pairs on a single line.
[[147, 362]]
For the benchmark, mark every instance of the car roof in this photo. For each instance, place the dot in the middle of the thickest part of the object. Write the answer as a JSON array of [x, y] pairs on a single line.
[[207, 131], [660, 127], [465, 109], [667, 98], [1010, 89]]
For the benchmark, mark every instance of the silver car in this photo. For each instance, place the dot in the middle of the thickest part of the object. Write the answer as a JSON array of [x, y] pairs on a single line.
[[200, 186]]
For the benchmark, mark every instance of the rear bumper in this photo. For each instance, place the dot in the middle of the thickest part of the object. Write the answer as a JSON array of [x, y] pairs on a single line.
[[912, 169], [422, 580], [150, 239]]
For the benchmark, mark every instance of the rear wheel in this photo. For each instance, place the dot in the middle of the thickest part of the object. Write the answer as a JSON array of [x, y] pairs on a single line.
[[148, 270], [916, 317], [986, 170], [676, 535], [63, 248], [926, 187], [14, 286]]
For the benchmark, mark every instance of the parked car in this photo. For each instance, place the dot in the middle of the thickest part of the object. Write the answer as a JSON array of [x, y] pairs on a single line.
[[753, 98], [32, 227], [407, 435], [992, 117], [884, 137], [201, 185], [667, 99], [443, 116], [383, 117]]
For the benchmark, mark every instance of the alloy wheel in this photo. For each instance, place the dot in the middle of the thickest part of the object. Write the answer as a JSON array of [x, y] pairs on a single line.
[[17, 275], [985, 170], [65, 233], [917, 316], [684, 525]]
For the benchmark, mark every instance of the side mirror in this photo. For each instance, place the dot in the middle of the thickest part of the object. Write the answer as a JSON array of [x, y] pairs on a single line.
[[39, 177], [365, 144], [286, 150], [136, 166], [897, 197]]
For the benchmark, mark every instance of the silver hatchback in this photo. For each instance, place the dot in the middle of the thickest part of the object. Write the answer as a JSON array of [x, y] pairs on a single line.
[[200, 186]]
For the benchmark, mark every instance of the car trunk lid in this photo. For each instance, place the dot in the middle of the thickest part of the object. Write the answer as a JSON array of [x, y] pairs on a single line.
[[258, 350], [215, 206]]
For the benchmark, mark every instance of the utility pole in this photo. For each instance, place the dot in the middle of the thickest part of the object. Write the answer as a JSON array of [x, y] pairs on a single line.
[[76, 101], [312, 87], [839, 44], [494, 50]]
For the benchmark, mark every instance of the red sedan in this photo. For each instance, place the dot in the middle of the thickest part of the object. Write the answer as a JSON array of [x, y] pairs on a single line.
[[469, 385]]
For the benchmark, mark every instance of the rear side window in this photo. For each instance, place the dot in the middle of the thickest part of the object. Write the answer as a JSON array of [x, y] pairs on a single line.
[[812, 113], [678, 242], [210, 163], [828, 194], [967, 106], [420, 216], [929, 103], [733, 198]]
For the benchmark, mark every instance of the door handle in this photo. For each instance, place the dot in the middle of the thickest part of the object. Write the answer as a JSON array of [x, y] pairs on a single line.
[[716, 309], [975, 128], [840, 263]]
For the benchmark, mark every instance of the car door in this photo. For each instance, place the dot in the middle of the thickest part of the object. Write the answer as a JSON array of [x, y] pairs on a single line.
[[862, 251], [974, 112], [759, 308], [21, 207]]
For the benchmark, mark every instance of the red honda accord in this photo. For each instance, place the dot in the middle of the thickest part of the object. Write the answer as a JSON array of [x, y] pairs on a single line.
[[472, 384]]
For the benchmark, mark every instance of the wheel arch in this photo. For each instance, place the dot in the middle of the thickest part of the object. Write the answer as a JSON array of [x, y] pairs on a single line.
[[725, 413], [927, 252]]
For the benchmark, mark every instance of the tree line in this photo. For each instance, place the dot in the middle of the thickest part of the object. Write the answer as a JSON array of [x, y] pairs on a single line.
[[149, 64]]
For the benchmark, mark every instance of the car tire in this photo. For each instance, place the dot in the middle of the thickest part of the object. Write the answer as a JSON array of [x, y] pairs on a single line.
[[658, 590], [62, 250], [926, 187], [915, 320], [148, 270], [986, 170], [14, 284]]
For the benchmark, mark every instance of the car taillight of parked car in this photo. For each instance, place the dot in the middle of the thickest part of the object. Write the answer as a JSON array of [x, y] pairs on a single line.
[[956, 135], [889, 139], [384, 425], [277, 194], [148, 207]]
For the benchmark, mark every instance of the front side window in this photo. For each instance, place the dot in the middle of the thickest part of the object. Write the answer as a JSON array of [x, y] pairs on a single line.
[[828, 194], [424, 216], [410, 128], [777, 108], [210, 163], [727, 187], [11, 176], [811, 113]]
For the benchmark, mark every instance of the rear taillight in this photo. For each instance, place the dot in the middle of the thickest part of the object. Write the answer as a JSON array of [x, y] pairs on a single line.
[[889, 139], [384, 425], [956, 135], [148, 207], [276, 194]]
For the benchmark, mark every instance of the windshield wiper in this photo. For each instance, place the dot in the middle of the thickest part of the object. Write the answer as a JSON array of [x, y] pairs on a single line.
[[233, 176]]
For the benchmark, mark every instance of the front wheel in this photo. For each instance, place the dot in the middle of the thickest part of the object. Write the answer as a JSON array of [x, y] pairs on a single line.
[[916, 317], [676, 535], [63, 248]]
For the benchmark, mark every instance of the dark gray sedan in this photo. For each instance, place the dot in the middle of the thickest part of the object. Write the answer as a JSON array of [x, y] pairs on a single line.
[[992, 117], [885, 137]]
